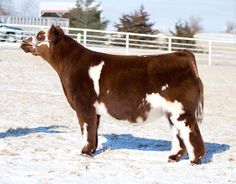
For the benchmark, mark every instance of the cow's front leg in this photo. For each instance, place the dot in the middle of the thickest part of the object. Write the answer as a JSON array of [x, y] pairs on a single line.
[[89, 124]]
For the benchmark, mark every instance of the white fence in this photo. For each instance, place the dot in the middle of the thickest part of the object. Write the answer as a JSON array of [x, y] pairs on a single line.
[[206, 51], [38, 21]]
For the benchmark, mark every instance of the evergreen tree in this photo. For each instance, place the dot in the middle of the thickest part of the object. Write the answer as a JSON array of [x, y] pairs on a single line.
[[86, 14], [184, 29], [136, 22]]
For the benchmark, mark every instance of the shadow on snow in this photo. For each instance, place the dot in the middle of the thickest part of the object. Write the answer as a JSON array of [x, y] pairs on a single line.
[[128, 141], [122, 141], [25, 131]]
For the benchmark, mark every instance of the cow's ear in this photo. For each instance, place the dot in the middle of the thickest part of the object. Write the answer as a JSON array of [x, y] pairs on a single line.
[[55, 33]]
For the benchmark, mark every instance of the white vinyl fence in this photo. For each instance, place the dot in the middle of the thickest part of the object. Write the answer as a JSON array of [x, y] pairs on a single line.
[[211, 52]]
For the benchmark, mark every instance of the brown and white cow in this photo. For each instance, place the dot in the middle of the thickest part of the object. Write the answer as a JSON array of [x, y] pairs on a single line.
[[132, 88]]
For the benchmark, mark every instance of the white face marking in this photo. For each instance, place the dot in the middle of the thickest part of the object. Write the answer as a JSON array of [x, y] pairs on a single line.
[[108, 91], [43, 43], [85, 135], [163, 88], [34, 41], [94, 74]]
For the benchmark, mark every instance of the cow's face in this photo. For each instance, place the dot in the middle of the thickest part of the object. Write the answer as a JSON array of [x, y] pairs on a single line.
[[42, 42], [37, 45]]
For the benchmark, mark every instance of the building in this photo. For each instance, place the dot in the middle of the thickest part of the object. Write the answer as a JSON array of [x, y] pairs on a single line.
[[55, 8]]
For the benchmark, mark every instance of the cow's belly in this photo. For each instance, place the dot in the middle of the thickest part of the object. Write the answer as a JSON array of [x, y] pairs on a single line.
[[150, 109], [134, 116]]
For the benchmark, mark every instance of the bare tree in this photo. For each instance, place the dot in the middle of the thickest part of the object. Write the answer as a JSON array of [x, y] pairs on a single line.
[[5, 7], [194, 23], [230, 27]]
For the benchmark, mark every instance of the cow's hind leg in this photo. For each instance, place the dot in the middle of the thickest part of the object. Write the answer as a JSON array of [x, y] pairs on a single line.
[[89, 125], [190, 134], [177, 146]]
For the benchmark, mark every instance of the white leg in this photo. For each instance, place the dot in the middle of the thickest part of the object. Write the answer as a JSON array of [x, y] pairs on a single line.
[[178, 148]]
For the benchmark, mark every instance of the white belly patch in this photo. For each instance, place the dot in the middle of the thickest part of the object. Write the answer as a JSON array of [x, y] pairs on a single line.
[[159, 107]]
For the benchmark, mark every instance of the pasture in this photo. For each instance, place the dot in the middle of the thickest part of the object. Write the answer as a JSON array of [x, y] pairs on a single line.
[[40, 139]]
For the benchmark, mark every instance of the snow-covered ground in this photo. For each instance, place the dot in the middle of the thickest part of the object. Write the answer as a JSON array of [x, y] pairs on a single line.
[[40, 139]]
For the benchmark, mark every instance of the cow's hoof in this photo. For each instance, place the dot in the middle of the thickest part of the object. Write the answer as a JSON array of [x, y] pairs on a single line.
[[88, 150], [171, 161], [196, 162], [176, 157]]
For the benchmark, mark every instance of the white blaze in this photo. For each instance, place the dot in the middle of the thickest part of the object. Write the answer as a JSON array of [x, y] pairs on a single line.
[[94, 74], [34, 41]]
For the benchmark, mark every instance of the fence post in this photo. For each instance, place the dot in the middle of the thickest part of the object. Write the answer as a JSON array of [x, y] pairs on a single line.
[[78, 37], [209, 53], [85, 37], [169, 44], [127, 43]]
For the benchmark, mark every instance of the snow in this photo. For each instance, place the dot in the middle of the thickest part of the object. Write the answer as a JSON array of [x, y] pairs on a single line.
[[40, 139]]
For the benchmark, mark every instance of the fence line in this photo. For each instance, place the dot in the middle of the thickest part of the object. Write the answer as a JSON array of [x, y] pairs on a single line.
[[206, 50]]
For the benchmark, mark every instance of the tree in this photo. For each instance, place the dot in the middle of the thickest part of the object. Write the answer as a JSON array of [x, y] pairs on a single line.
[[86, 14], [5, 7], [136, 22], [183, 29], [231, 28], [195, 25], [186, 29]]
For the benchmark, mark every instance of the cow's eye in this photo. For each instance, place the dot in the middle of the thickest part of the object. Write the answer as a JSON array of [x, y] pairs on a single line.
[[41, 36]]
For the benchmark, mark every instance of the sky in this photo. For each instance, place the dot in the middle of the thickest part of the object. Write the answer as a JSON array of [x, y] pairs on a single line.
[[214, 14]]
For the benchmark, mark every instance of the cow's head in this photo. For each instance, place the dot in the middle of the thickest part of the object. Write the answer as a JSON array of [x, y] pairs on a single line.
[[42, 42]]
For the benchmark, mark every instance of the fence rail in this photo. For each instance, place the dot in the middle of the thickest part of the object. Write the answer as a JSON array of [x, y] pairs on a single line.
[[206, 51]]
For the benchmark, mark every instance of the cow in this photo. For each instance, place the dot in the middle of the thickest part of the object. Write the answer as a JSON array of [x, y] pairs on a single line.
[[132, 88]]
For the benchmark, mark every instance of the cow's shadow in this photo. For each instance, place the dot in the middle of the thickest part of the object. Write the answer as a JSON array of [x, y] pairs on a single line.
[[121, 141], [130, 142], [18, 132]]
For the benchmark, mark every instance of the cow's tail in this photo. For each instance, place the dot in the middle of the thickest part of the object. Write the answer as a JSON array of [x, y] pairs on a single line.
[[199, 113]]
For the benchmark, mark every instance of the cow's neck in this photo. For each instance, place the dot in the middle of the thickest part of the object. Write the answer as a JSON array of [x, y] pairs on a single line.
[[63, 58]]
